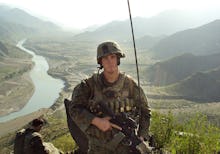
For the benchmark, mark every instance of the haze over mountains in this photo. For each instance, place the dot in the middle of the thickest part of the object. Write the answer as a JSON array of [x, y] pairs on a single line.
[[165, 23], [190, 42], [16, 23], [202, 40]]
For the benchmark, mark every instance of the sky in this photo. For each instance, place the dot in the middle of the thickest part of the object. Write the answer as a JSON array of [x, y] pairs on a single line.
[[84, 13]]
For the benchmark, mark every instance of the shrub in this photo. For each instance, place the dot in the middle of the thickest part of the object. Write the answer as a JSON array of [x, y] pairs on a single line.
[[162, 126], [65, 143], [195, 135]]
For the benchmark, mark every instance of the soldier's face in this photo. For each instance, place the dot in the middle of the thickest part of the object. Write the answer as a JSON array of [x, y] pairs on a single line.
[[109, 63], [38, 128]]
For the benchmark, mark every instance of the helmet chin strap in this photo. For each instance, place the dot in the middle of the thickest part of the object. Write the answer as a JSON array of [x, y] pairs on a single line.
[[99, 68]]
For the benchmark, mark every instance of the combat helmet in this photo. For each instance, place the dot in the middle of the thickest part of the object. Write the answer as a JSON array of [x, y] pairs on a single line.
[[109, 47]]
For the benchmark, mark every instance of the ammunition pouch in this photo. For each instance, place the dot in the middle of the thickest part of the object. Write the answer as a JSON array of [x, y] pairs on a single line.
[[115, 141]]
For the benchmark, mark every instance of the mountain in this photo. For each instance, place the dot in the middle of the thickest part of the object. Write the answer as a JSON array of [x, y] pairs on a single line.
[[3, 49], [201, 86], [165, 23], [179, 68], [202, 40], [147, 42], [15, 23], [12, 31], [18, 16]]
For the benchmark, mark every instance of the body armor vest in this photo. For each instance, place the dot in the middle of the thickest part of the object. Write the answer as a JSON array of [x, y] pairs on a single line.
[[118, 97]]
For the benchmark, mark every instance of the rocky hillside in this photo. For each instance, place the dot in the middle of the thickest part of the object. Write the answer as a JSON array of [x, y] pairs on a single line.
[[178, 68], [201, 86], [3, 49]]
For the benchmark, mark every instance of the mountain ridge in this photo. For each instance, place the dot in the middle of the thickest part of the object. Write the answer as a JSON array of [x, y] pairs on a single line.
[[201, 86], [179, 67], [16, 24], [201, 40], [165, 23]]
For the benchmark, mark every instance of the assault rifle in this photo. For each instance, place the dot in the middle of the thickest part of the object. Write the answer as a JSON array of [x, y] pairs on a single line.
[[128, 126]]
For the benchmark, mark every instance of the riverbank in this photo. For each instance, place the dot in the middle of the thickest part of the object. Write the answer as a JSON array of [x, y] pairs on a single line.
[[17, 92], [46, 92], [16, 86]]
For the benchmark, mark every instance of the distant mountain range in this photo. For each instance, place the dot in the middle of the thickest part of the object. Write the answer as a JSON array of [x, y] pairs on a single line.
[[16, 23], [180, 67], [188, 76], [191, 69], [165, 23], [189, 42], [199, 41], [18, 16]]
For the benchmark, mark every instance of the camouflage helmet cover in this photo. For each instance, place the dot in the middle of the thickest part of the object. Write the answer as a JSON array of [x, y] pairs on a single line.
[[107, 48]]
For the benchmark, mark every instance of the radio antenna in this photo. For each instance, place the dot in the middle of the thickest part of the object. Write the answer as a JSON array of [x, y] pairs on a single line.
[[135, 52]]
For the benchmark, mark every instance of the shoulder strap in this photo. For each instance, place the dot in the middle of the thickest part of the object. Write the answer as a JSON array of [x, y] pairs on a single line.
[[130, 83], [92, 82], [35, 134]]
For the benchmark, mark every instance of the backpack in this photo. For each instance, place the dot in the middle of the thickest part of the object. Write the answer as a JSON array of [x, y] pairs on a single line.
[[19, 142]]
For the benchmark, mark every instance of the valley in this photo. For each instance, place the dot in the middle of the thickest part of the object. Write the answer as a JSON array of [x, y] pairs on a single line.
[[178, 66], [73, 70]]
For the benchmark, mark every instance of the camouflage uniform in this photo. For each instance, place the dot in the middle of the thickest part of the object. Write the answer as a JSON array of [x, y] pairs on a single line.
[[33, 143], [121, 96]]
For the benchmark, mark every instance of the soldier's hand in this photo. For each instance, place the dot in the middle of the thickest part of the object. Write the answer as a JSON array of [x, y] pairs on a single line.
[[116, 126], [102, 123], [113, 125]]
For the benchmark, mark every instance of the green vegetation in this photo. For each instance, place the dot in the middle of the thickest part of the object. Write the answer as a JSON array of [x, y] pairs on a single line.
[[65, 142], [72, 58], [195, 135], [165, 127]]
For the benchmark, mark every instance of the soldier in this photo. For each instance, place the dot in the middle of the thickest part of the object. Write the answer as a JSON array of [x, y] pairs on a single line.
[[119, 92], [29, 141], [33, 142]]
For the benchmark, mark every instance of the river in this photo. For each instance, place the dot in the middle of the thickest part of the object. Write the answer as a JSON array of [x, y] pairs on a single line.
[[47, 88]]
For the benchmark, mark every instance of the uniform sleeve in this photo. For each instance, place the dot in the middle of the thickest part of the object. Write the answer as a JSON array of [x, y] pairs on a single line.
[[145, 111], [78, 108], [37, 145]]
